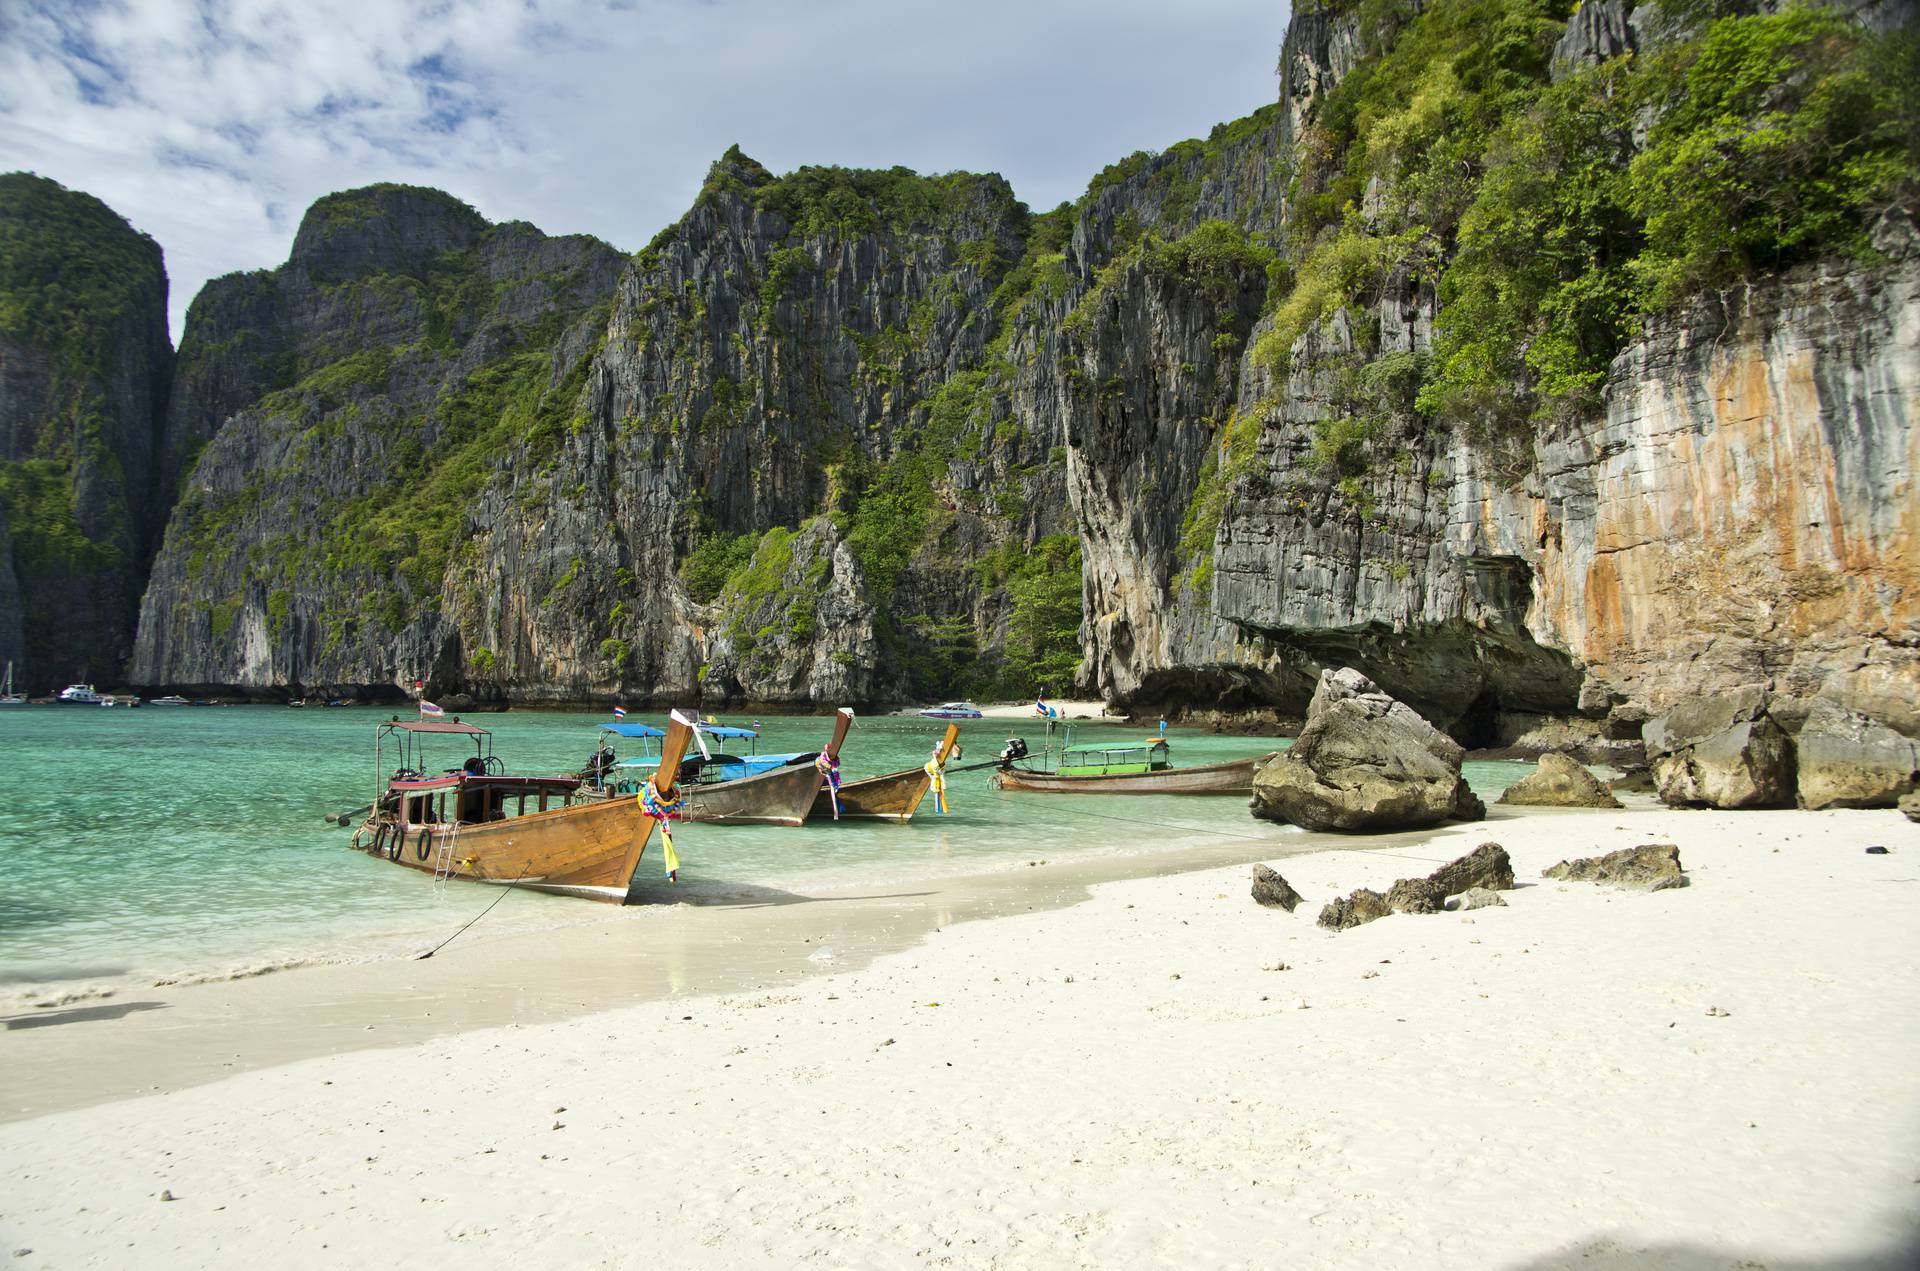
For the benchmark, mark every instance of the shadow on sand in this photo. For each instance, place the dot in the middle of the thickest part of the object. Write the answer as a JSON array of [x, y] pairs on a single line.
[[79, 1014], [745, 895], [1623, 1253]]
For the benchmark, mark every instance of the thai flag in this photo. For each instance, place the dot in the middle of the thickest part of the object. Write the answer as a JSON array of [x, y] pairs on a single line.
[[619, 712], [428, 709]]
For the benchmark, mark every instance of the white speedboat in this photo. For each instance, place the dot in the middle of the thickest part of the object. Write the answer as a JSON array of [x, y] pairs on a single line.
[[80, 695], [952, 710], [171, 699]]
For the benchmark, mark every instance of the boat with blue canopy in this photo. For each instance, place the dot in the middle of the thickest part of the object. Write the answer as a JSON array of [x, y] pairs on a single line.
[[625, 776], [721, 786]]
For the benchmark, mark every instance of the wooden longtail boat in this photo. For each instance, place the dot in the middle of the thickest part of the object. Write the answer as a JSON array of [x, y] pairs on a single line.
[[476, 822], [894, 796], [1232, 777], [783, 796], [1131, 768]]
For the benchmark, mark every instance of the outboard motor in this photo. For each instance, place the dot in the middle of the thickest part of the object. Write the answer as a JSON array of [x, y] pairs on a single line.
[[599, 764], [1015, 749]]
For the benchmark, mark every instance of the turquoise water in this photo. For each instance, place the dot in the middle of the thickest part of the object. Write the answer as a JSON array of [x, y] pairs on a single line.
[[185, 842]]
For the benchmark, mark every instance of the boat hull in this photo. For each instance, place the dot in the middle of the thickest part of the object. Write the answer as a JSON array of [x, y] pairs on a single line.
[[894, 796], [589, 849], [1233, 777], [781, 797]]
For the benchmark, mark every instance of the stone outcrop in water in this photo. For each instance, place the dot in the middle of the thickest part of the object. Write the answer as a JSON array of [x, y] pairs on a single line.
[[1559, 782]]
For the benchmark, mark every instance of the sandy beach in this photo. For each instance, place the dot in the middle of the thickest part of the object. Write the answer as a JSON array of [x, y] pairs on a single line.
[[1135, 1071]]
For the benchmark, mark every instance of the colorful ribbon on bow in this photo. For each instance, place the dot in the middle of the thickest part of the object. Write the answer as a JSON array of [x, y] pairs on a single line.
[[827, 764], [937, 776], [664, 811]]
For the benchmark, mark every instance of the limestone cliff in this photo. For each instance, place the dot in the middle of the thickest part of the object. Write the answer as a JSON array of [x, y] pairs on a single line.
[[871, 436], [84, 366], [341, 416]]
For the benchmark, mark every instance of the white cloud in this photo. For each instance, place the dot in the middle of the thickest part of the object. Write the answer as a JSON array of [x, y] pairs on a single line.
[[212, 124]]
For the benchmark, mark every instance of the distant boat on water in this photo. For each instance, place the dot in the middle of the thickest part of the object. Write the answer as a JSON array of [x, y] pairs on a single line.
[[1122, 767], [952, 710], [171, 699], [7, 696], [79, 695]]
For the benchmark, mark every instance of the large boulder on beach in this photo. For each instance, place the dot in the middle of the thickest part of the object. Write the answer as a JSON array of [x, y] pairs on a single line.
[[1559, 782], [1722, 750], [1649, 867], [1487, 866], [1910, 805], [1845, 760], [1364, 761]]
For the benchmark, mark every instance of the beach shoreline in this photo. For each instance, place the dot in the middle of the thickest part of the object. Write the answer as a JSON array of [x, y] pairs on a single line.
[[1684, 1078]]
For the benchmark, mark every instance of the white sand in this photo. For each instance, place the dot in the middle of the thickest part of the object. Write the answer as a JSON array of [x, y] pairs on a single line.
[[1122, 1083]]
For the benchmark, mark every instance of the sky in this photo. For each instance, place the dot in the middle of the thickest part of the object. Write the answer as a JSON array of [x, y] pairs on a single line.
[[212, 124]]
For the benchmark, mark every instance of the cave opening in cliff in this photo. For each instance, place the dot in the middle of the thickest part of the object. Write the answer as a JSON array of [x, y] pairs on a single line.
[[1478, 727]]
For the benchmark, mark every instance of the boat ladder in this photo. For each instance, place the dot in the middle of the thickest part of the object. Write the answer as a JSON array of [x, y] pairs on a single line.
[[443, 860]]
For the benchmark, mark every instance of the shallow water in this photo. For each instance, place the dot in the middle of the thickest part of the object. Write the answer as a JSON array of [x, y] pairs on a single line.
[[167, 842]]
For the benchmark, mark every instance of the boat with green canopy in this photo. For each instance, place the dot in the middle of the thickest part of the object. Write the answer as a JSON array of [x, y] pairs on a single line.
[[1125, 766]]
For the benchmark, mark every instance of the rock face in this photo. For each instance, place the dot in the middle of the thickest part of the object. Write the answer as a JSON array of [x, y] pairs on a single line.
[[1650, 867], [1476, 898], [1273, 891], [1721, 751], [1910, 806], [868, 436], [1845, 760], [1364, 762], [1559, 783], [84, 367], [359, 400]]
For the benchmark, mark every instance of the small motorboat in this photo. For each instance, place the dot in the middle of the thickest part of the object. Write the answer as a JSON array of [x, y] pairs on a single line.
[[171, 699], [952, 710]]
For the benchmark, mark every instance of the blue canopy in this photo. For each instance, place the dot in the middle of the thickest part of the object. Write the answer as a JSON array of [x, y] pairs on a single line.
[[631, 730], [722, 730]]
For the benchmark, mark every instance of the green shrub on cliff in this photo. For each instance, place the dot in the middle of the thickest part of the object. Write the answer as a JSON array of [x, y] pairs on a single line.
[[1779, 138], [1452, 160], [707, 567], [1043, 625], [73, 273]]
